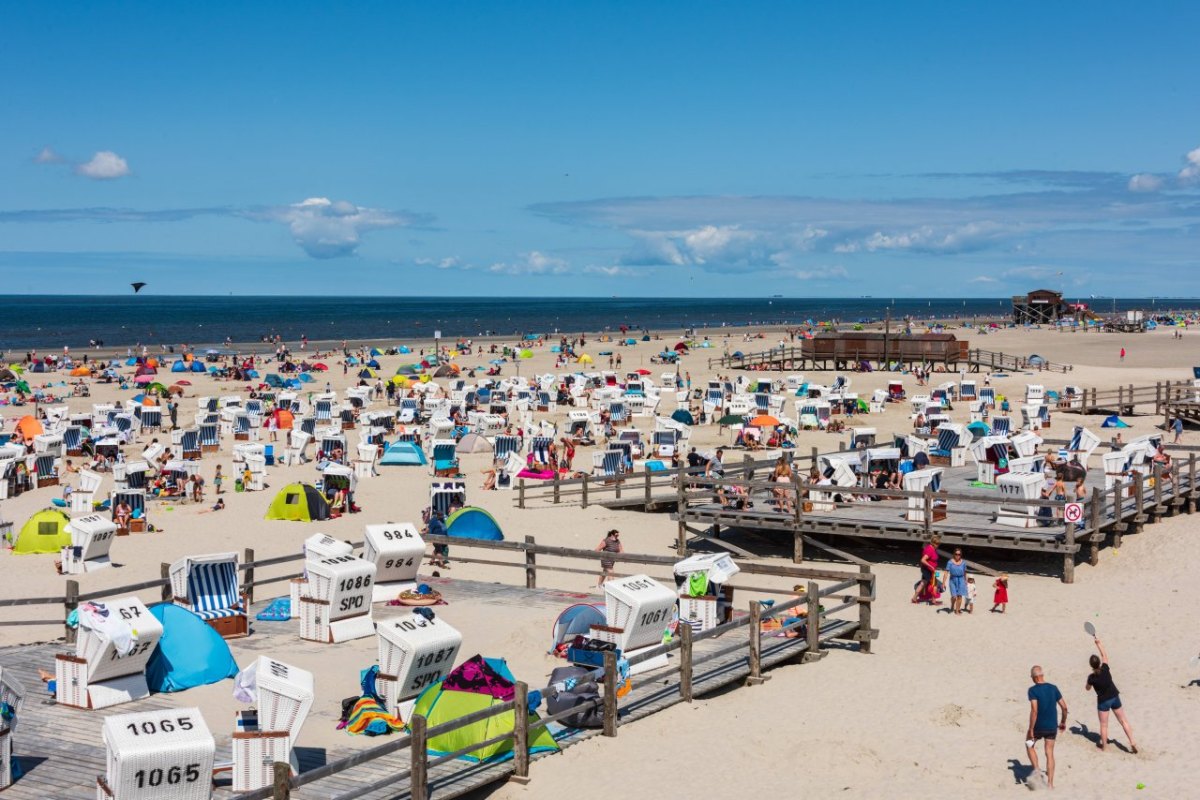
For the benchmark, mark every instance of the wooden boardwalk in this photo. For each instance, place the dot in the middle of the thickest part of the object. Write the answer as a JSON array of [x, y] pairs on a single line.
[[62, 753]]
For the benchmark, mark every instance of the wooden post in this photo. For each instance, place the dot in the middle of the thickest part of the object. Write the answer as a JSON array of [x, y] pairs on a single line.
[[610, 694], [1069, 557], [1190, 501], [747, 470], [1139, 496], [685, 662], [70, 603], [419, 774], [798, 533], [1158, 482], [1094, 525], [530, 564], [756, 676], [521, 493], [1118, 524], [813, 623], [556, 488], [281, 785], [927, 512], [248, 578], [815, 457], [680, 510], [647, 490], [584, 489], [864, 610], [521, 732], [164, 572]]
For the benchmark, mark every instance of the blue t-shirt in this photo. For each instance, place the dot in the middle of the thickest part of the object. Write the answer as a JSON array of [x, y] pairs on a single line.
[[1047, 696]]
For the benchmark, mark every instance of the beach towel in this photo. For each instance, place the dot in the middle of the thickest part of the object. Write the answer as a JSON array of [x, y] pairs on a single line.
[[368, 716], [280, 610], [475, 675]]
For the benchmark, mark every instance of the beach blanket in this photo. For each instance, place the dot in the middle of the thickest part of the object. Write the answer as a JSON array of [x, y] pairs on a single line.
[[368, 716]]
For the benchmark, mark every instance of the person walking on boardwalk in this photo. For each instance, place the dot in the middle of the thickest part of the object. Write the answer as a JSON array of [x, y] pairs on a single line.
[[1108, 698], [611, 543], [1043, 697]]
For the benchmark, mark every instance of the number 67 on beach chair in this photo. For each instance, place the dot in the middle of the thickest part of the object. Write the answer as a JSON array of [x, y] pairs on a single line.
[[210, 587], [99, 675]]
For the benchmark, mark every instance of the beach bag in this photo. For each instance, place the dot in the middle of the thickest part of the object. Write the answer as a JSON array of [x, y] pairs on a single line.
[[584, 691]]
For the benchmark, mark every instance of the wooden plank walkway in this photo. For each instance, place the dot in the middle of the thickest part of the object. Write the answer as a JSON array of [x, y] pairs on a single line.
[[62, 753]]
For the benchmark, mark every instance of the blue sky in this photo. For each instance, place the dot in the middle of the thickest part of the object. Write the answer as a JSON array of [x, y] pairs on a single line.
[[907, 149]]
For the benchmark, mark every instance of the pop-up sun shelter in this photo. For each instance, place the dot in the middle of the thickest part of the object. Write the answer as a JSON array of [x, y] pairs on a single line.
[[299, 502], [473, 523], [403, 454], [45, 532], [189, 654], [576, 620], [476, 685]]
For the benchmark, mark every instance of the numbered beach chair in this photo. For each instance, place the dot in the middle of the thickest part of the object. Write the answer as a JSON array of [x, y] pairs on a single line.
[[157, 755], [210, 587], [283, 697], [91, 538], [396, 550], [444, 495], [102, 673], [335, 605], [12, 698], [414, 654], [445, 459], [637, 610]]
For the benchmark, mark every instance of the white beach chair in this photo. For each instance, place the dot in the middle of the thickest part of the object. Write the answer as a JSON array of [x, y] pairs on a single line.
[[12, 697], [157, 755], [335, 603], [98, 676], [396, 550], [91, 538], [283, 697], [414, 653]]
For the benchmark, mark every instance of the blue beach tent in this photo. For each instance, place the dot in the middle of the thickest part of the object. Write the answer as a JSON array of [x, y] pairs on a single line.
[[179, 366], [198, 366], [1114, 422], [189, 654], [403, 454], [474, 523]]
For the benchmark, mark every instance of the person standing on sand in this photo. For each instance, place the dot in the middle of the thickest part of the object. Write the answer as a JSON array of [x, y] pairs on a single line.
[[1043, 697], [611, 543], [1122, 353], [957, 569], [1108, 698], [929, 559], [1177, 427]]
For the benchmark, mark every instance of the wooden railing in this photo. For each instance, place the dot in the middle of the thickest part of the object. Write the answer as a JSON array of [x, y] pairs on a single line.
[[995, 360]]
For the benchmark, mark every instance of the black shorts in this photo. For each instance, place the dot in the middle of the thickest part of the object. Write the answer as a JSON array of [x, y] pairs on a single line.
[[1051, 734], [926, 574]]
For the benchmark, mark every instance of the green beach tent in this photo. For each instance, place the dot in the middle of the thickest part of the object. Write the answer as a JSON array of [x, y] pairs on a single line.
[[44, 532], [483, 683], [299, 502]]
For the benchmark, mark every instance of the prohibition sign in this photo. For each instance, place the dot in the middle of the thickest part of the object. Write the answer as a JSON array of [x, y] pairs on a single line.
[[1073, 512]]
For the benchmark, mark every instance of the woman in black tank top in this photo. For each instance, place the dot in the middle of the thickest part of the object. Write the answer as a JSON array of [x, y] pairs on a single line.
[[1108, 697]]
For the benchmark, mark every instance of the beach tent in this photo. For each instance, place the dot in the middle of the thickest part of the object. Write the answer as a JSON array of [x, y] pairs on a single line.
[[366, 373], [474, 523], [404, 349], [1036, 360], [299, 502], [284, 420], [585, 359], [274, 381], [198, 366], [476, 685], [684, 416], [29, 427], [473, 443], [179, 366], [576, 620], [403, 454], [44, 532], [81, 372], [1114, 422], [190, 653], [373, 364]]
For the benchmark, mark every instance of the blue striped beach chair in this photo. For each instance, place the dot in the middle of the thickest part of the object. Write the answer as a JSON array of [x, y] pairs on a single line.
[[209, 587]]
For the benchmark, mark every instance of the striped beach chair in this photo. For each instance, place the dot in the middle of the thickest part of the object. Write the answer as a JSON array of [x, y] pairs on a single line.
[[1001, 426], [443, 495], [539, 447], [445, 459], [209, 437], [12, 696], [607, 464], [209, 587], [503, 445], [324, 410]]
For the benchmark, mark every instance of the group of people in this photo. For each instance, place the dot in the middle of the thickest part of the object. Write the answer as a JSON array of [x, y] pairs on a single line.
[[933, 582]]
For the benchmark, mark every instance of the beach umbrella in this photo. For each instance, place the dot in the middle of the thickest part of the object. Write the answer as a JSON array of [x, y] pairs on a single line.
[[22, 386], [319, 367], [585, 359], [143, 379], [732, 419], [684, 416], [680, 346], [399, 380], [175, 389], [643, 372], [737, 354], [137, 398], [156, 387], [764, 421]]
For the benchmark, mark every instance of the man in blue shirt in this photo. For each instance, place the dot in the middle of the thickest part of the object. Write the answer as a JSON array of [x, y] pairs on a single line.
[[1042, 699]]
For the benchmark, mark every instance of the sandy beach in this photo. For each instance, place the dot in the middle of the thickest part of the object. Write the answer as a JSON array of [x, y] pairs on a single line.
[[938, 706]]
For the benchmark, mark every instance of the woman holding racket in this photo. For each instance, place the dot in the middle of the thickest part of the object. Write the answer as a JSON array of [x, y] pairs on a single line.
[[1108, 698]]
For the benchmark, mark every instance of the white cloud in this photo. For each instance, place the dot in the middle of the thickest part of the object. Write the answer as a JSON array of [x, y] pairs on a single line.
[[326, 228], [1145, 182], [983, 279], [615, 271], [47, 155], [531, 263], [104, 166], [450, 262], [1191, 172], [821, 274]]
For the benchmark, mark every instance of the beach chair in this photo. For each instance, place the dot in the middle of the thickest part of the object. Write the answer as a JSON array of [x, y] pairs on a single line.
[[151, 418], [444, 457], [91, 538], [1015, 487], [210, 437], [73, 440], [295, 452], [608, 463], [308, 425], [666, 443], [503, 445], [164, 755], [83, 499], [210, 587], [414, 653], [539, 448], [507, 471], [444, 495], [916, 481], [243, 450], [46, 467], [951, 445], [324, 409], [364, 465], [407, 415], [335, 602], [98, 675], [283, 698], [988, 395], [12, 697], [637, 610], [257, 464], [136, 500], [396, 550]]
